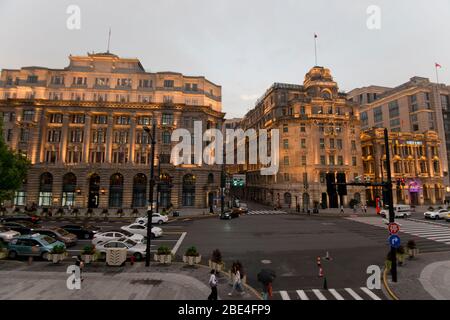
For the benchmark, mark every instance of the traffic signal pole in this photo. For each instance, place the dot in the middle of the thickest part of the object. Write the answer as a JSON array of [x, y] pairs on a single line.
[[388, 188]]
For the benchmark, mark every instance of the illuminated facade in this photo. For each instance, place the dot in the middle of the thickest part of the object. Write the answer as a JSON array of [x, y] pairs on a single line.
[[82, 129], [319, 134], [416, 167]]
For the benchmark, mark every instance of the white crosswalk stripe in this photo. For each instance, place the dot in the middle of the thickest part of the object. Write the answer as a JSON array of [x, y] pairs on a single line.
[[257, 212], [361, 293], [416, 228]]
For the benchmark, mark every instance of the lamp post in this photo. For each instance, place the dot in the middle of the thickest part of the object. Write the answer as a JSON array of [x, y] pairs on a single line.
[[152, 135], [158, 184]]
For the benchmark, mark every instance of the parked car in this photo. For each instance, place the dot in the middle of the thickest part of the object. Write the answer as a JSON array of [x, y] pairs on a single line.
[[229, 214], [22, 217], [6, 235], [400, 210], [32, 245], [23, 227], [133, 248], [142, 230], [60, 234], [448, 218], [157, 218], [242, 209], [81, 231], [436, 214], [114, 235]]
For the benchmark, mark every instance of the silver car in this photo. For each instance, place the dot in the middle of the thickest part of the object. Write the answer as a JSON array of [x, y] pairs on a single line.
[[6, 235], [133, 248]]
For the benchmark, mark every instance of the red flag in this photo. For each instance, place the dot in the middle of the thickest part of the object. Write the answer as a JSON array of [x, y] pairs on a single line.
[[437, 65]]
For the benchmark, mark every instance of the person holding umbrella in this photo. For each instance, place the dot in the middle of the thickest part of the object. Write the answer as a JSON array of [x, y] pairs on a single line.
[[266, 278]]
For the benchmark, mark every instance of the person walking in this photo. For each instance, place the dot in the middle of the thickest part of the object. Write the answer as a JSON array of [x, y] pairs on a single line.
[[213, 285], [80, 264], [342, 208], [237, 282]]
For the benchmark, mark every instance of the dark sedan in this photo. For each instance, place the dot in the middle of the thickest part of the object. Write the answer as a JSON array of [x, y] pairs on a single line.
[[22, 217], [82, 232], [24, 227]]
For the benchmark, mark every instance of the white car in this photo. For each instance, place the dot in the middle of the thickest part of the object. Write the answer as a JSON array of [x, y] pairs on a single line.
[[157, 218], [114, 235], [6, 235], [134, 248], [141, 229], [436, 214]]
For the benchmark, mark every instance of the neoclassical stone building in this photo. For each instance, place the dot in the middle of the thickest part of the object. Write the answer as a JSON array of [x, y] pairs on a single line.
[[319, 134], [82, 129]]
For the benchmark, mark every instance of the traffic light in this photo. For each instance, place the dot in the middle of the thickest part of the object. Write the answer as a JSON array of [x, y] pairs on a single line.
[[342, 188], [331, 187]]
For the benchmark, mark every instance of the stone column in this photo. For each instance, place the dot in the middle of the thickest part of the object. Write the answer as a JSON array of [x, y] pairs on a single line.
[[132, 139], [37, 137], [64, 139], [109, 138], [86, 137]]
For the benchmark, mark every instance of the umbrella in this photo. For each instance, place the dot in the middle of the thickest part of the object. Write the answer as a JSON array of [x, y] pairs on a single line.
[[266, 276]]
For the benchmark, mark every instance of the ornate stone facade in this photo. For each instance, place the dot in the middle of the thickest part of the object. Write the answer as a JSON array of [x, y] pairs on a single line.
[[82, 129]]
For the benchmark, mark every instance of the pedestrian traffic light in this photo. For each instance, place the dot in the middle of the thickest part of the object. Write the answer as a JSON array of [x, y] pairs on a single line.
[[342, 187]]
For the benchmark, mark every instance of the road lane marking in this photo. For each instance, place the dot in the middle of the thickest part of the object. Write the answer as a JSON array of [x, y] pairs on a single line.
[[302, 295], [319, 294], [177, 245], [353, 294], [336, 294], [284, 295], [370, 293]]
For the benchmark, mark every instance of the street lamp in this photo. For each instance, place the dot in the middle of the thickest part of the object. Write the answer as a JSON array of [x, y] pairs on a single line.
[[152, 135]]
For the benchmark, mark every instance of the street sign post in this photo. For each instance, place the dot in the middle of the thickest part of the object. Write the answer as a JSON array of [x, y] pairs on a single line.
[[394, 241], [393, 228]]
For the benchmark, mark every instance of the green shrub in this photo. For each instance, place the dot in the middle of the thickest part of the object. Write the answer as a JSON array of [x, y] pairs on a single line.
[[89, 249], [192, 252], [164, 250], [58, 249]]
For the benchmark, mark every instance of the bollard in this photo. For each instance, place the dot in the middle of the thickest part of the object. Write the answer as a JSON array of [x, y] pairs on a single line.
[[325, 285]]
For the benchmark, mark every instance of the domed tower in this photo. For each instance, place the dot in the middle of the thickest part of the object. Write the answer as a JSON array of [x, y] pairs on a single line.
[[319, 83]]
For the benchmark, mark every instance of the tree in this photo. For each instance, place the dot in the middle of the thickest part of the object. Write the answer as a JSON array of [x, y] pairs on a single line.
[[13, 169]]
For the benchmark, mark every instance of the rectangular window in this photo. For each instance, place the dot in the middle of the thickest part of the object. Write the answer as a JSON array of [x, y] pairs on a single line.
[[378, 114], [303, 160], [302, 128], [303, 143], [45, 198], [101, 81], [393, 109], [20, 198], [24, 134], [51, 156], [340, 160], [285, 144], [331, 143], [9, 135], [394, 122], [286, 160], [322, 143], [56, 118], [354, 161], [353, 145], [101, 119], [28, 115], [77, 118], [167, 99], [167, 119], [76, 136], [364, 118], [124, 82], [339, 144], [285, 128], [331, 160], [322, 160], [123, 120], [54, 136], [168, 83], [32, 79]]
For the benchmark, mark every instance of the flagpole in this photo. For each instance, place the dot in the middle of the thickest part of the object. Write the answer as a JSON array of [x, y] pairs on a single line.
[[437, 74], [315, 49], [109, 39]]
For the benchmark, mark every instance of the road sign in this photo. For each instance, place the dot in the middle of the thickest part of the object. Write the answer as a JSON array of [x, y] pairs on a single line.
[[393, 228], [394, 241]]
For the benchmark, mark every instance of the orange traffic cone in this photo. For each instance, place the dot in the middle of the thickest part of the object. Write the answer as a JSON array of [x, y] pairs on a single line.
[[319, 261]]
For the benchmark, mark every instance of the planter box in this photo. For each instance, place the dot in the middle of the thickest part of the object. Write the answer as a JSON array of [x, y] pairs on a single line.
[[88, 258], [116, 256], [56, 257], [191, 260], [163, 258], [216, 266]]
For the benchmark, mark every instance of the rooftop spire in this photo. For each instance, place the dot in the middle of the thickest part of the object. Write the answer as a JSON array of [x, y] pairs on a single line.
[[109, 39]]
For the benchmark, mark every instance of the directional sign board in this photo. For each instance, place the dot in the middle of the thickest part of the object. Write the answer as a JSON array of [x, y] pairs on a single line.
[[394, 241], [238, 180], [393, 228]]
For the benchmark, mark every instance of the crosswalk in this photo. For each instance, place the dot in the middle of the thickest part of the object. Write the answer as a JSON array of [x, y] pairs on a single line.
[[425, 230], [263, 212], [362, 293]]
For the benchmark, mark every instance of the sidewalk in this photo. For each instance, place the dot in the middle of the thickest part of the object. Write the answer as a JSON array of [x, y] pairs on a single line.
[[426, 277], [43, 280]]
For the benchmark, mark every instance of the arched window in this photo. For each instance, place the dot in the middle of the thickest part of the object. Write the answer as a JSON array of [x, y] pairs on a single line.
[[210, 178], [188, 191], [139, 190], [45, 189], [68, 189], [287, 198], [116, 190]]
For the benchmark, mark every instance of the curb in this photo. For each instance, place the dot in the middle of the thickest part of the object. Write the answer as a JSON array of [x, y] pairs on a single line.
[[386, 286], [195, 217], [428, 222]]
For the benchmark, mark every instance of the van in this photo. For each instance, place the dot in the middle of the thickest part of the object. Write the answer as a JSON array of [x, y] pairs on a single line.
[[400, 210]]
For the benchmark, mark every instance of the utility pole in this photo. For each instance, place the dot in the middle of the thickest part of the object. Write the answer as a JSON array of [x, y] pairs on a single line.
[[152, 136], [388, 188]]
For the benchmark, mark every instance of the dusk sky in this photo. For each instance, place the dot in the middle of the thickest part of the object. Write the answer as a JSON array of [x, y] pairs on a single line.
[[243, 45]]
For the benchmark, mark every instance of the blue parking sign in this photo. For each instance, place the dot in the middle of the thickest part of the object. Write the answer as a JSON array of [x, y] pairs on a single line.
[[394, 241]]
